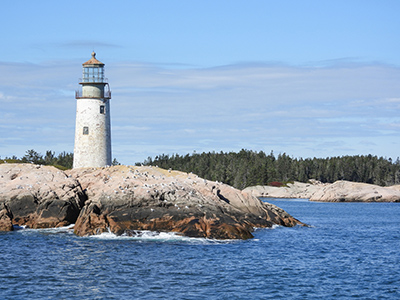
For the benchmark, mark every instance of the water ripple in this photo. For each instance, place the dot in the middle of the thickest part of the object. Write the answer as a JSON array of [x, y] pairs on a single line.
[[350, 252]]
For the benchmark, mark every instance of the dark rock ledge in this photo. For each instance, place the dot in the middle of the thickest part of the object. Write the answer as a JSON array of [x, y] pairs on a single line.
[[124, 199]]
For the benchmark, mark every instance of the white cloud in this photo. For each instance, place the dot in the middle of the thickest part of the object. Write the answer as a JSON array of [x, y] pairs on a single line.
[[303, 111], [88, 44]]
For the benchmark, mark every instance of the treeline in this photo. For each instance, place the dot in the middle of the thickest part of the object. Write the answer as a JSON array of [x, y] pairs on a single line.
[[248, 168], [62, 161]]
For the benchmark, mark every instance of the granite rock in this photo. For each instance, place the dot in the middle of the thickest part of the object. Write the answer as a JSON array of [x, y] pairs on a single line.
[[346, 191], [125, 199], [38, 197], [338, 191], [292, 190]]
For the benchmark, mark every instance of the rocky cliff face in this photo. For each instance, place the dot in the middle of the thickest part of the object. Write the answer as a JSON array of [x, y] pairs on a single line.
[[38, 196], [125, 200]]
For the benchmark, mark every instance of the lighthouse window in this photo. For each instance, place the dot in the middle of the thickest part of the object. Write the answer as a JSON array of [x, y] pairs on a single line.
[[93, 74], [86, 130], [102, 109]]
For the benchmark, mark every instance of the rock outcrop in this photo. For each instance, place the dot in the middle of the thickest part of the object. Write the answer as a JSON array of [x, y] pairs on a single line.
[[346, 191], [292, 190], [125, 200], [394, 187], [38, 197], [338, 191]]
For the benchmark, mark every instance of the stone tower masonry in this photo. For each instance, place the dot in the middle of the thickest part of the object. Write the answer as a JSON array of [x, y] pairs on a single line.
[[93, 127]]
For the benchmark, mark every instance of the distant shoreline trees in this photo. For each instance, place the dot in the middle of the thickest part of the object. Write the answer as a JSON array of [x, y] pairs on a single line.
[[61, 161], [249, 168]]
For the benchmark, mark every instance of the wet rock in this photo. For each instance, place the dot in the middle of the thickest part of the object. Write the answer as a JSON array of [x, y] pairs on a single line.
[[5, 219], [38, 196], [124, 199]]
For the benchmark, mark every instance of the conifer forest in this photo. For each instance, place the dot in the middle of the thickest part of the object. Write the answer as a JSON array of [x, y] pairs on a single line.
[[248, 168]]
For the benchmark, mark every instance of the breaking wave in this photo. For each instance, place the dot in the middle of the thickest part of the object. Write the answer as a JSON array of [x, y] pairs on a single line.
[[53, 230], [136, 235], [156, 236]]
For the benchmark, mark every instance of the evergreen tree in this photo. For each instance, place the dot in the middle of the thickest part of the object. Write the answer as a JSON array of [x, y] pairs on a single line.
[[248, 168]]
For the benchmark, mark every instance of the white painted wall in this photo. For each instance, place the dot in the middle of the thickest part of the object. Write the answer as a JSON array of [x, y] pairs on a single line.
[[93, 149]]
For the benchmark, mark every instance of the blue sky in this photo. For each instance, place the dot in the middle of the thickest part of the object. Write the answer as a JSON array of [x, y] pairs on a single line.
[[308, 78]]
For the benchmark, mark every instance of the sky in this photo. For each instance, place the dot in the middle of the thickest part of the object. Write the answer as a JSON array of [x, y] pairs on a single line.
[[307, 78]]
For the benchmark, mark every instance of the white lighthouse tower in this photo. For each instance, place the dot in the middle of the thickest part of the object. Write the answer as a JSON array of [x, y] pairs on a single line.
[[93, 128]]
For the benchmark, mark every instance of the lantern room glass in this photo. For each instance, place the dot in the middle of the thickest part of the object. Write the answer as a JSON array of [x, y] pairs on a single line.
[[93, 74]]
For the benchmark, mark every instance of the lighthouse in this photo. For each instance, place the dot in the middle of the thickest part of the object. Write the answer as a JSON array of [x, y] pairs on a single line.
[[93, 125]]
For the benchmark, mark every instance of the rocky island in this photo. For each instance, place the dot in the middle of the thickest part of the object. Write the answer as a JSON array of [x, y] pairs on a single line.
[[127, 199], [339, 191]]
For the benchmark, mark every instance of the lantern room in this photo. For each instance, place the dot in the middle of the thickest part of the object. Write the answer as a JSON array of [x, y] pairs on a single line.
[[94, 84], [93, 71]]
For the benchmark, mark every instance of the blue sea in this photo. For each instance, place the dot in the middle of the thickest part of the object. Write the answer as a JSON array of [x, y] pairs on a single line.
[[351, 251]]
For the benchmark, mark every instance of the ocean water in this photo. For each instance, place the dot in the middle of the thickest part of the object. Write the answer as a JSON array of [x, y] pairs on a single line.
[[351, 251]]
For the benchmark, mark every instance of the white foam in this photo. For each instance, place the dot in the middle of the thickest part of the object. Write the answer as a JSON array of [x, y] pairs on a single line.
[[58, 229], [17, 227], [274, 226], [71, 226], [63, 229], [155, 236], [137, 235]]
